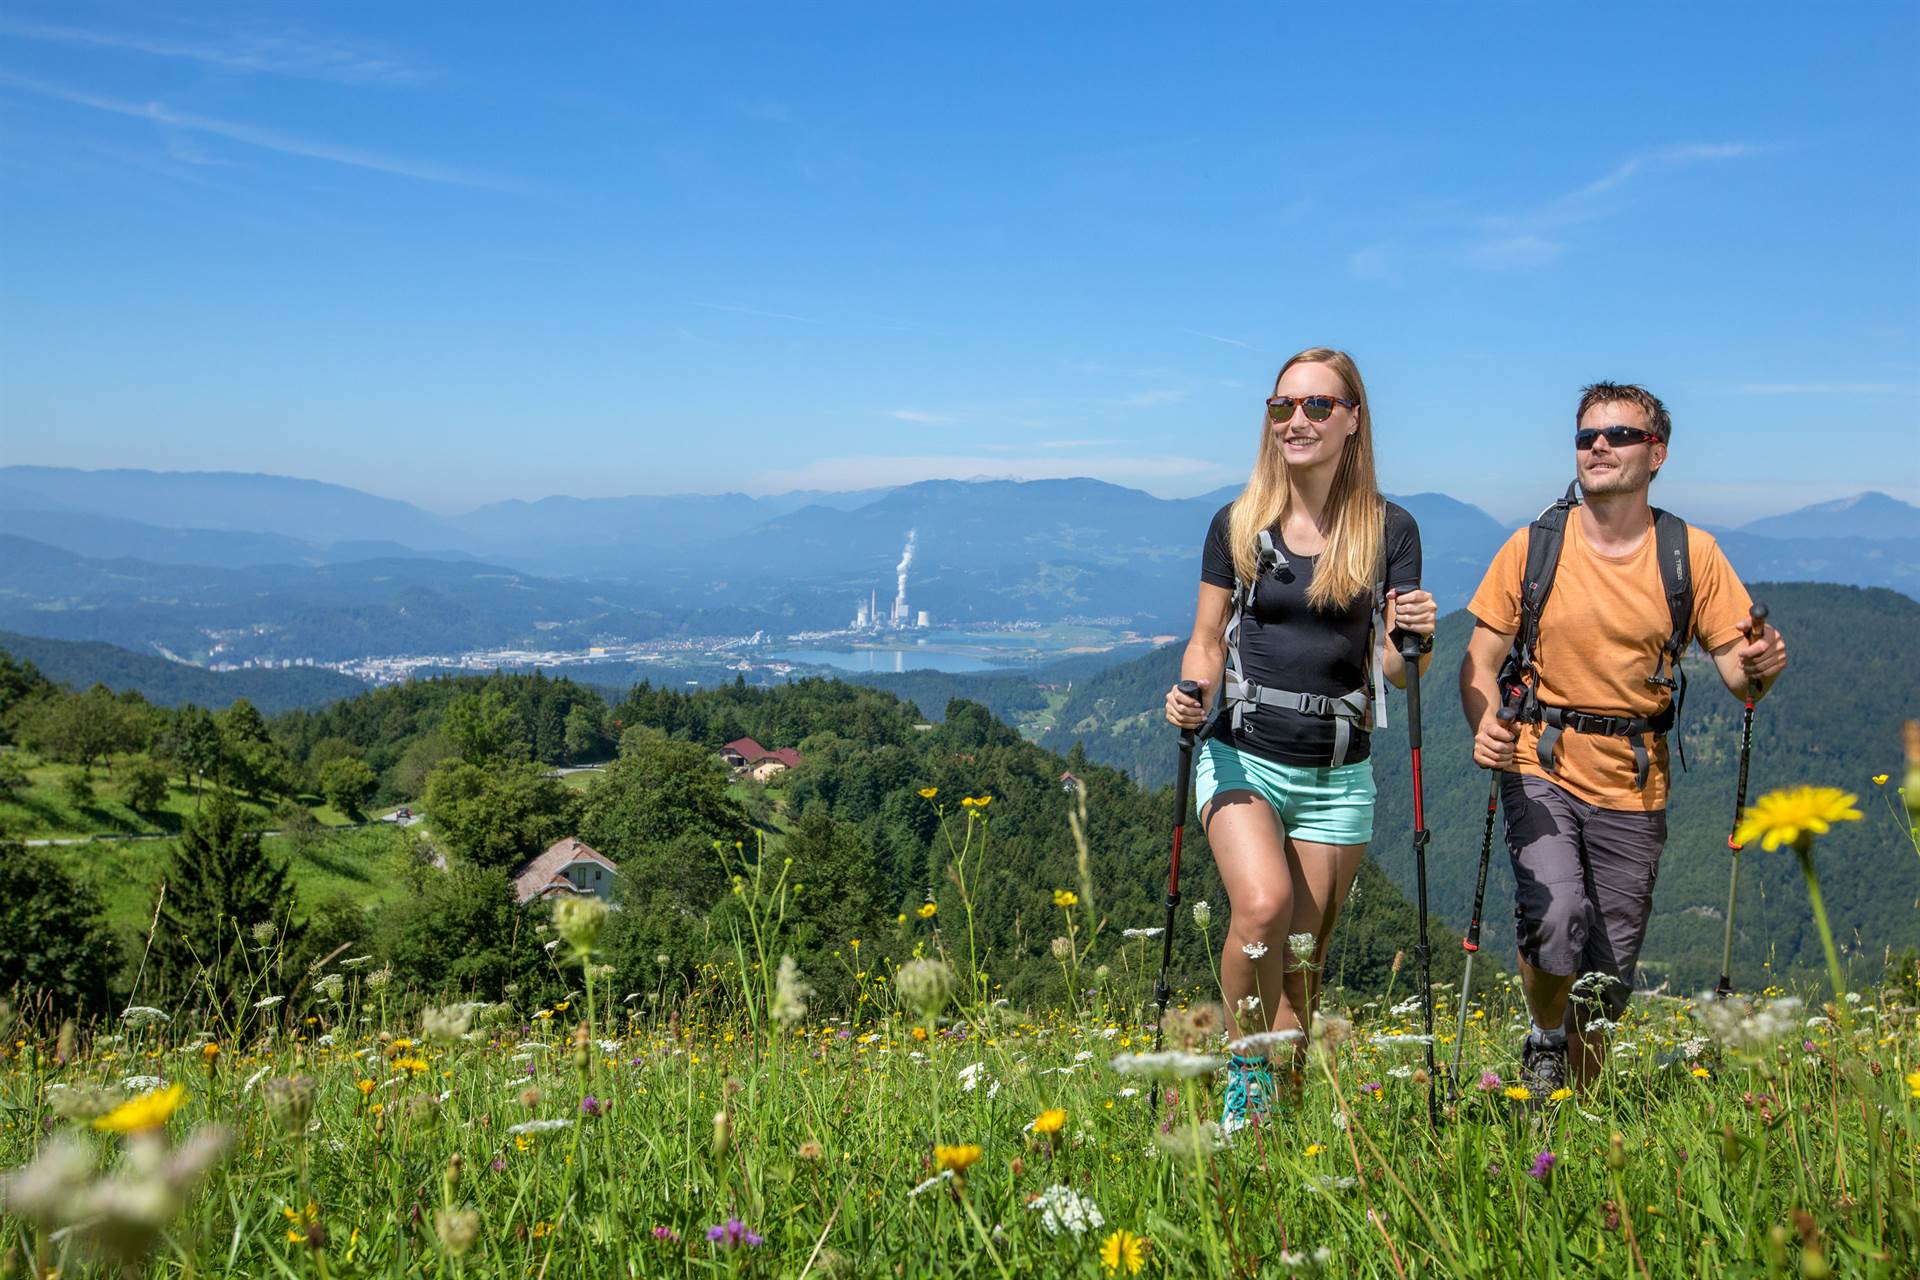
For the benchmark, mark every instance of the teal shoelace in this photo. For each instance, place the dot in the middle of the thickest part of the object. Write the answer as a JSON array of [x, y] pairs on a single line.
[[1249, 1092]]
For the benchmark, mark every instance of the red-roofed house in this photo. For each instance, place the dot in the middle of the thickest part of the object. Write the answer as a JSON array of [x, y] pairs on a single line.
[[758, 762], [742, 752], [569, 868]]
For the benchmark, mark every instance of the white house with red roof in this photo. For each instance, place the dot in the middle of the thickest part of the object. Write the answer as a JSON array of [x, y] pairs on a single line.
[[758, 762], [570, 868]]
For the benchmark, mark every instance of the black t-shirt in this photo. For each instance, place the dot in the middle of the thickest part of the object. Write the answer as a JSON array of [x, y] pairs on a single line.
[[1287, 644]]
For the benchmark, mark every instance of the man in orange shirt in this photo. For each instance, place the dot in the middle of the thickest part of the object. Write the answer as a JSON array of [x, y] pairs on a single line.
[[1585, 796]]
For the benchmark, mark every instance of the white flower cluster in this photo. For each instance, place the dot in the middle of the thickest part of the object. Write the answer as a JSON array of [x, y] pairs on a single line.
[[1748, 1027], [1062, 1208], [1154, 932], [1252, 1046], [1171, 1065], [539, 1126]]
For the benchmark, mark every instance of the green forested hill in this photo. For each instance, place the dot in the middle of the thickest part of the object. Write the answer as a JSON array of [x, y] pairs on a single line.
[[1834, 720], [164, 683]]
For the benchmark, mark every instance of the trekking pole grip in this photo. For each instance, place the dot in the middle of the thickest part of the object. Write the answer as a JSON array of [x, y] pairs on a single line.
[[1757, 631]]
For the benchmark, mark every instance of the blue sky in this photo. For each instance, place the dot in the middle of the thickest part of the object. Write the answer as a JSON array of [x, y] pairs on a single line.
[[457, 254]]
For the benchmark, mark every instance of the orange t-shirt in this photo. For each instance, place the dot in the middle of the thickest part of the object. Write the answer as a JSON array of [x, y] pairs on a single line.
[[1600, 638]]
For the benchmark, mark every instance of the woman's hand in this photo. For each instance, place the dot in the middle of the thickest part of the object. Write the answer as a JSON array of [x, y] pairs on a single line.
[[1185, 712], [1411, 611]]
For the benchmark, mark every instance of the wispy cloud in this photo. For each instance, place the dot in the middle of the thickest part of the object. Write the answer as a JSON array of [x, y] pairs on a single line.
[[920, 415], [252, 135], [1508, 253], [1214, 337], [1822, 389], [1154, 472], [761, 312], [289, 53]]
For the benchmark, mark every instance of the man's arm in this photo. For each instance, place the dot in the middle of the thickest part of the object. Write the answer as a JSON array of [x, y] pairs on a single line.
[[1745, 661], [1493, 738]]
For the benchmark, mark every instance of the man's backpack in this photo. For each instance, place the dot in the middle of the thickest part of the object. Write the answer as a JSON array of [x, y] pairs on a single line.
[[1544, 538]]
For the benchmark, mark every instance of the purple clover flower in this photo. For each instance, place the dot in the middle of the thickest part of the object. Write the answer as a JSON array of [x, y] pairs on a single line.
[[1542, 1166], [592, 1106], [1489, 1081], [669, 1234], [734, 1233]]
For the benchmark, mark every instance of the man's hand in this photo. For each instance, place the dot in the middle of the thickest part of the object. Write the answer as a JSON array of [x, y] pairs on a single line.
[[1493, 745], [1185, 712], [1763, 659]]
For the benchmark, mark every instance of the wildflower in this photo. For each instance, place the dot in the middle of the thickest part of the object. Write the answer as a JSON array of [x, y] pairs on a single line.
[[364, 1085], [380, 979], [449, 1023], [332, 986], [1402, 1041], [1314, 1149], [1749, 1028], [1879, 779], [955, 1159], [413, 1065], [1560, 1095], [265, 932], [1062, 948], [1253, 950], [538, 1126], [667, 1234], [925, 985], [1542, 1166], [810, 1151], [722, 1132], [1701, 1073], [928, 793], [123, 1217], [141, 1015], [928, 909], [457, 1229], [1310, 1264], [1302, 947], [1913, 1084], [1519, 1092], [290, 1102], [1050, 1121], [591, 1106], [1062, 1208], [1065, 898], [1123, 1249], [1796, 815], [1331, 1032], [580, 921], [1247, 1004], [1255, 1045], [267, 1002], [148, 1111], [790, 993], [1154, 932], [1202, 913], [734, 1234]]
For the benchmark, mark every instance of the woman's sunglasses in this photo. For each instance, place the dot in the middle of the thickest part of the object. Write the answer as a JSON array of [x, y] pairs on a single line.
[[1617, 437], [1317, 408]]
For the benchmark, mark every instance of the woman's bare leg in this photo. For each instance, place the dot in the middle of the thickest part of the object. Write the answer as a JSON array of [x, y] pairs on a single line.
[[1249, 848]]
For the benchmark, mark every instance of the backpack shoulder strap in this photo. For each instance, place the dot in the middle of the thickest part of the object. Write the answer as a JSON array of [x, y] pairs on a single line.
[[1544, 539], [1676, 578]]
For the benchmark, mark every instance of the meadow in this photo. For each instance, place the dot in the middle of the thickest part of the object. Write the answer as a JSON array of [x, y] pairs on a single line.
[[737, 1116]]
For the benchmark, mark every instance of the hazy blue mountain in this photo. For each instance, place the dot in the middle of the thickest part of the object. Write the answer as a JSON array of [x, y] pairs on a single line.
[[82, 664], [103, 537], [1859, 562], [1872, 515], [304, 509]]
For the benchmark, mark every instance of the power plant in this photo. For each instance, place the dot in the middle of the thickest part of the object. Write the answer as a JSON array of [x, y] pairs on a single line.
[[867, 616]]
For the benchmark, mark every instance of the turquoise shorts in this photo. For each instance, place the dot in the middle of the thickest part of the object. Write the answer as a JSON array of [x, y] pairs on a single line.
[[1332, 805]]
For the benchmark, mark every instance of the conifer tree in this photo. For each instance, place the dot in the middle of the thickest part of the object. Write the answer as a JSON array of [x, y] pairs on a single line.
[[220, 884]]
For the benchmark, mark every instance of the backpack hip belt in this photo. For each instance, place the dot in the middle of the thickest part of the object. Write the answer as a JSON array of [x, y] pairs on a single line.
[[1638, 729], [1243, 696]]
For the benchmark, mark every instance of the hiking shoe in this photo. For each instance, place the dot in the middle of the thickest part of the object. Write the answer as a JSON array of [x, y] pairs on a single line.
[[1249, 1094], [1543, 1067]]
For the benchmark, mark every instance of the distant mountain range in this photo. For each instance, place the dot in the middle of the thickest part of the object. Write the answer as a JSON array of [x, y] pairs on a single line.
[[272, 566]]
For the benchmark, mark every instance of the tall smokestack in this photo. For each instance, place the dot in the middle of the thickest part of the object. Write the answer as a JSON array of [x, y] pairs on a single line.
[[900, 572]]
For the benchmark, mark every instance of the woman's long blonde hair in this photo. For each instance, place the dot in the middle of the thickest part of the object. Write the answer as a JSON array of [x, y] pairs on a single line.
[[1355, 514]]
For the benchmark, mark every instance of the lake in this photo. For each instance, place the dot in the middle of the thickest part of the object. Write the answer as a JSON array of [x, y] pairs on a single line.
[[906, 659]]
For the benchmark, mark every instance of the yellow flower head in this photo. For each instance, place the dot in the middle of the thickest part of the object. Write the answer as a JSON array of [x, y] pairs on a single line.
[[1786, 817], [928, 793], [1052, 1120], [1314, 1149], [1065, 898], [364, 1085], [957, 1158], [1123, 1249], [415, 1065], [1701, 1073], [1913, 1083], [1879, 779], [148, 1111], [927, 910], [1519, 1092], [209, 1051], [1560, 1095]]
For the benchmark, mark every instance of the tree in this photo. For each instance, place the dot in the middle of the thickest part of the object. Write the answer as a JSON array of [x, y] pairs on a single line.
[[584, 736], [81, 728], [219, 883], [254, 761], [193, 740], [482, 726], [58, 944], [348, 784], [462, 931], [13, 776], [145, 785], [656, 792], [501, 816]]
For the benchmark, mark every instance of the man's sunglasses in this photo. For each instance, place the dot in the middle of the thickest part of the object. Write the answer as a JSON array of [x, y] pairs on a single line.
[[1617, 437], [1317, 408]]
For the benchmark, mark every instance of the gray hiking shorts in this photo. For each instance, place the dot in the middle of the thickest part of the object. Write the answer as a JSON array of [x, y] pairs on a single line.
[[1583, 888]]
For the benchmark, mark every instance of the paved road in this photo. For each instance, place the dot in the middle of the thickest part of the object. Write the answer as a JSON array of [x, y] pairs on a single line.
[[412, 819]]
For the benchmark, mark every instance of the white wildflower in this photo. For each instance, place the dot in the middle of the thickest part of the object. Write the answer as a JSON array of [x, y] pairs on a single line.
[[1202, 913], [1252, 1046], [1747, 1027], [1339, 1118], [538, 1126], [1304, 1263], [140, 1015], [267, 1002], [1191, 1141], [1154, 932], [1302, 947], [1253, 950], [1171, 1065], [938, 1178], [1248, 1004], [1062, 1208], [143, 1084], [355, 962]]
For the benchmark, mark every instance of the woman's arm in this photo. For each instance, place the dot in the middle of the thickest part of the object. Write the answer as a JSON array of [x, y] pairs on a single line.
[[1206, 653]]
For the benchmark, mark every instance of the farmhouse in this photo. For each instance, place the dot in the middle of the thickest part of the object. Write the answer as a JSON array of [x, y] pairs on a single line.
[[569, 868], [756, 761]]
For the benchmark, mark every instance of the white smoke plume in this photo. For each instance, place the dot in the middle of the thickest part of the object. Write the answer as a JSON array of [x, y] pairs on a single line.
[[906, 560]]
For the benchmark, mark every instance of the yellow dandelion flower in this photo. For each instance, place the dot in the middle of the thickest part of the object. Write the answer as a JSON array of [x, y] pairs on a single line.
[[209, 1051], [1314, 1149], [148, 1111], [928, 793], [928, 910], [1123, 1249], [1560, 1095], [1052, 1120], [1065, 898], [1879, 779], [1788, 816], [1701, 1073], [1913, 1083], [1519, 1092], [983, 802], [957, 1158], [854, 943], [901, 918], [414, 1065], [365, 1086]]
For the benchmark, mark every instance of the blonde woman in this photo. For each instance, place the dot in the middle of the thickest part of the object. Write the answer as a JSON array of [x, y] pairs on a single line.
[[1290, 655]]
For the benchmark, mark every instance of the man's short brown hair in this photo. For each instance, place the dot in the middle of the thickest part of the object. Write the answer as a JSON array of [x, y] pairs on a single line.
[[1658, 420]]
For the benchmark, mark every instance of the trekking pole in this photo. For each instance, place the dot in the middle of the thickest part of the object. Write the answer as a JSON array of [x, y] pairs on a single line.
[[1755, 632], [1471, 942], [1410, 653], [1162, 991]]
